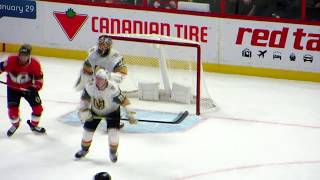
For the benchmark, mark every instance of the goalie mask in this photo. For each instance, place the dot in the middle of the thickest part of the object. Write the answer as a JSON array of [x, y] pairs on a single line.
[[104, 45]]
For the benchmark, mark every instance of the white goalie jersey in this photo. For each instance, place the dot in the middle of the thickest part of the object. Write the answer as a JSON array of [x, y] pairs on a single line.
[[108, 63], [103, 101], [111, 62]]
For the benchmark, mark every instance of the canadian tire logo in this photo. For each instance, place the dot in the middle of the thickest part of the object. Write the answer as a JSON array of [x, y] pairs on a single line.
[[70, 22]]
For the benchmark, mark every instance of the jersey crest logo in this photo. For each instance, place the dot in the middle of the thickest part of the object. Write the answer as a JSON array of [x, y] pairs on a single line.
[[70, 22], [98, 104]]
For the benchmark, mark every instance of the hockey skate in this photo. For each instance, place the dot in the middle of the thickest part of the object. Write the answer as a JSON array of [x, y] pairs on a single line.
[[81, 154], [12, 130], [36, 129], [121, 125], [113, 156]]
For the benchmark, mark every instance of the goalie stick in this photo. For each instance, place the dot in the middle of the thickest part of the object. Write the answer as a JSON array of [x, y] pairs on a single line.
[[180, 117]]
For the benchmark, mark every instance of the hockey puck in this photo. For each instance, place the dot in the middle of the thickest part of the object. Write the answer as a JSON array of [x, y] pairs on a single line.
[[102, 176]]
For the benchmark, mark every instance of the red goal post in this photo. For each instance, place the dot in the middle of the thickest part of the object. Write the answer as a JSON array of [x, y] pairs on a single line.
[[168, 41]]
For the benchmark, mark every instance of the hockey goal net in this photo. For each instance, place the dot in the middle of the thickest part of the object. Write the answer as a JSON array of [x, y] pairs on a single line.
[[164, 73]]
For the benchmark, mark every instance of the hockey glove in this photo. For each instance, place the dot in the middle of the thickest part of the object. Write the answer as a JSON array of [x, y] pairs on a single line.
[[85, 115], [131, 118], [34, 88], [130, 115], [31, 91]]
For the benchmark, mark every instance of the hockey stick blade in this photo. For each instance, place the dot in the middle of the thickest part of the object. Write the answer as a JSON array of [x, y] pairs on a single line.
[[180, 117]]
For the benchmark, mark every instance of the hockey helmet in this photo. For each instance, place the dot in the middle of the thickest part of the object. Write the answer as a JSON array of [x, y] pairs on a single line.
[[102, 176], [101, 73], [104, 45], [25, 49]]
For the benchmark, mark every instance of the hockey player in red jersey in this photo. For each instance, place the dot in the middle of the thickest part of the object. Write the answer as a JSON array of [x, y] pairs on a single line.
[[24, 79]]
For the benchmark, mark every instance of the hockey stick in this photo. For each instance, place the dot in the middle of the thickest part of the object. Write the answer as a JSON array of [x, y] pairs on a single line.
[[13, 87], [181, 116]]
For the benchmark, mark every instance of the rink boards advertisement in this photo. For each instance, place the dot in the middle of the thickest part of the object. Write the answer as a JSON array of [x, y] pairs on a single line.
[[271, 45], [223, 41]]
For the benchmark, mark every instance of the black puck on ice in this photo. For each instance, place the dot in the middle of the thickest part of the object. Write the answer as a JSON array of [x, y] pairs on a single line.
[[102, 176]]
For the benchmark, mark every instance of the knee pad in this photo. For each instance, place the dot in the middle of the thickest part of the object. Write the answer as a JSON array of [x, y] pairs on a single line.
[[113, 136], [13, 112], [37, 110]]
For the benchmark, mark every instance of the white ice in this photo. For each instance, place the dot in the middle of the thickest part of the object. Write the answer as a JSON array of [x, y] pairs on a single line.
[[263, 129]]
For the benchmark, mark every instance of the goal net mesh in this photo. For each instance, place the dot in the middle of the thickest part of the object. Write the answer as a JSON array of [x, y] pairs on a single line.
[[164, 73]]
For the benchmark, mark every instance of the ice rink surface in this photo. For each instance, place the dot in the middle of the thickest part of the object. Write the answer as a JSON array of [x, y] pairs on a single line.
[[263, 129]]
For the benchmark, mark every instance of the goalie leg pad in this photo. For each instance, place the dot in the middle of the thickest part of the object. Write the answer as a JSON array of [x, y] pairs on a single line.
[[148, 91], [181, 93]]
